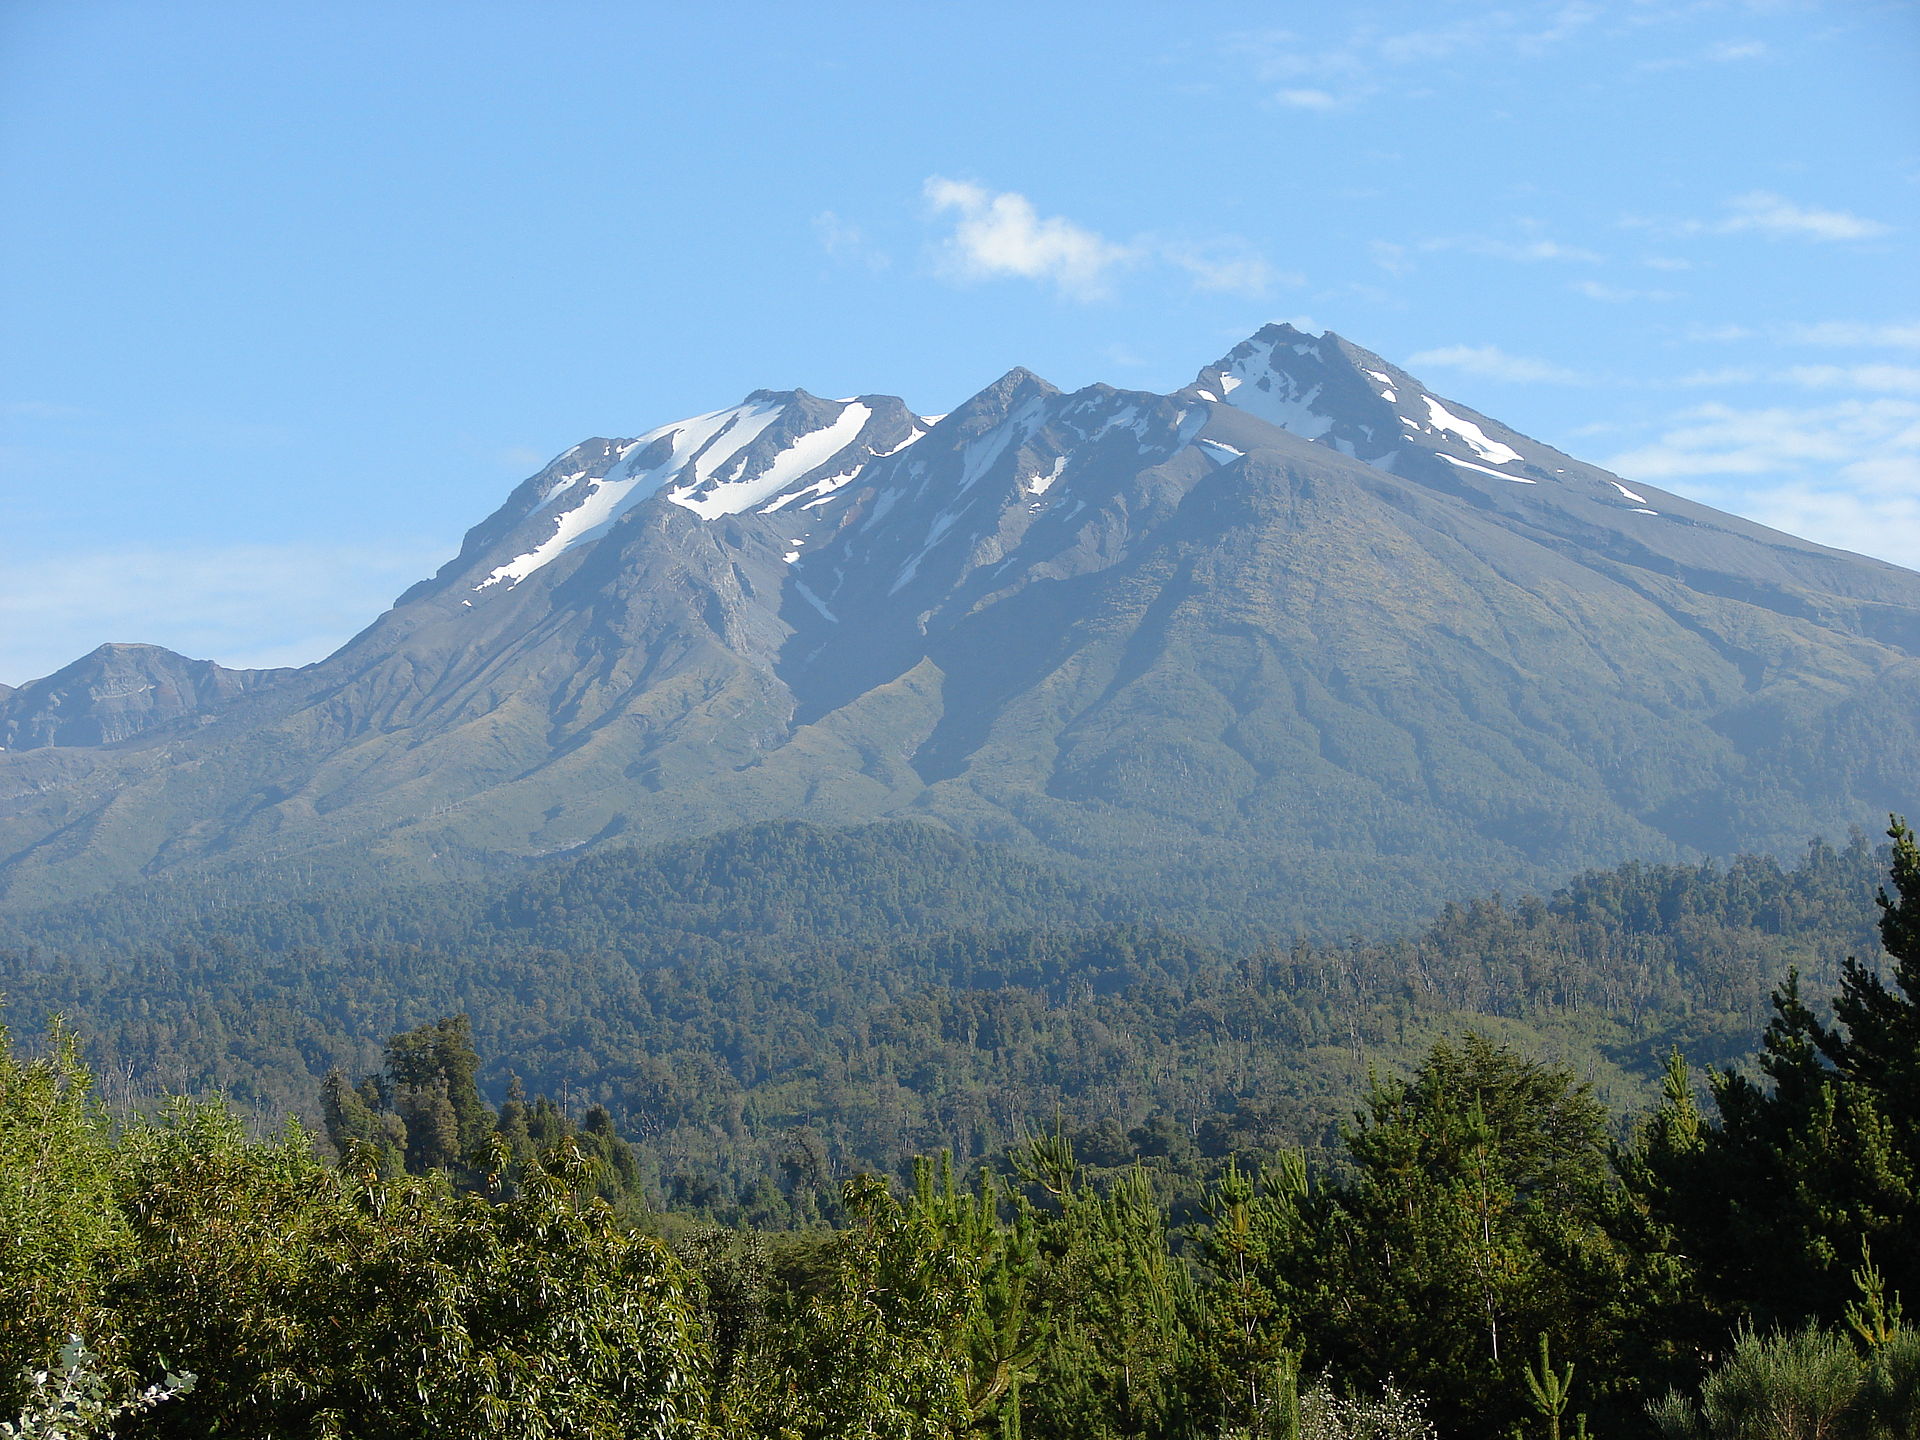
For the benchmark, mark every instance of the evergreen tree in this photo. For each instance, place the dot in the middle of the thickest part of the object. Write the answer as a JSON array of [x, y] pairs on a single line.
[[1475, 1221], [1816, 1167]]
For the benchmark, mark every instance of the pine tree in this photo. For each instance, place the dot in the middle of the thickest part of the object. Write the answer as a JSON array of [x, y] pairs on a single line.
[[1817, 1166]]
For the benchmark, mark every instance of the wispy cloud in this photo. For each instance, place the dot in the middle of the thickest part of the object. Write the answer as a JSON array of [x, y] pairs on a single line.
[[1889, 379], [1314, 75], [1526, 251], [1002, 235], [1845, 474], [242, 605], [40, 410], [1227, 267], [1724, 52], [1866, 379], [1619, 295], [1761, 212], [1718, 334], [1613, 294], [1772, 214], [1526, 248], [1896, 335], [1495, 364], [846, 241]]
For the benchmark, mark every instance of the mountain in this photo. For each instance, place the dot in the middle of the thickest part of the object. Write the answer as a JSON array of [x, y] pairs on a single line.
[[1301, 640], [117, 692]]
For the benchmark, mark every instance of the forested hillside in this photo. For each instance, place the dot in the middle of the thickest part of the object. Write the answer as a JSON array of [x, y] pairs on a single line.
[[764, 1012], [1476, 1257]]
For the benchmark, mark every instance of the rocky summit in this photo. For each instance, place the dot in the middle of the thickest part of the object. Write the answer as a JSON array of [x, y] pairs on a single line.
[[1303, 634]]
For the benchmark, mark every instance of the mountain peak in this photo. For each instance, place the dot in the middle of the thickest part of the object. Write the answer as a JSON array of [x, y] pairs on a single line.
[[775, 449], [1401, 643], [116, 691], [1016, 385]]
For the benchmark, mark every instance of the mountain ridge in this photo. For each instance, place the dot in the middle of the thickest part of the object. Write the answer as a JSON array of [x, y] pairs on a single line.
[[1273, 627]]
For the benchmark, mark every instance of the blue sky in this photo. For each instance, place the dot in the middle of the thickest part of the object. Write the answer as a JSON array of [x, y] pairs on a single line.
[[292, 295]]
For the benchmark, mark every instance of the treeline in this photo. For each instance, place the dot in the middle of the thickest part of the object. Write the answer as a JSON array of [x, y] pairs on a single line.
[[763, 1013], [1480, 1258]]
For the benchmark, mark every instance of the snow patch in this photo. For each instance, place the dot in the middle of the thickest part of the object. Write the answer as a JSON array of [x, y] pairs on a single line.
[[820, 490], [1251, 383], [708, 440], [809, 452], [1469, 465], [814, 600], [1040, 484], [1637, 499], [1220, 454], [1486, 449]]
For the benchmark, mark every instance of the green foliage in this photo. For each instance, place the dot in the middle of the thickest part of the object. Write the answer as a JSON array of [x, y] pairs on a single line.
[[78, 1398], [926, 1325], [1551, 1391], [1817, 1162], [1120, 1302], [1809, 1384], [893, 991], [423, 1115], [59, 1231], [1179, 1256], [319, 1302], [1476, 1217]]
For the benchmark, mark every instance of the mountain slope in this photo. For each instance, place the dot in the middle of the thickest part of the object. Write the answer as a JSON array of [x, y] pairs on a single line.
[[117, 692], [1302, 639]]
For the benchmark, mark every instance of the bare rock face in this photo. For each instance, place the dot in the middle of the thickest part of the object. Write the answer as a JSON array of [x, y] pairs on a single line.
[[117, 692], [1302, 633]]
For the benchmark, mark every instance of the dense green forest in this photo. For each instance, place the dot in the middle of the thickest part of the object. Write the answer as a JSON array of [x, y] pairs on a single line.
[[1477, 1252], [765, 1012]]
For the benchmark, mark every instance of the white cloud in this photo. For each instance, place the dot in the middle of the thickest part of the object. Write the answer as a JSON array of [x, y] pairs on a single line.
[[1001, 235], [1494, 363], [1772, 214], [1845, 474], [1730, 50], [242, 605], [1308, 99]]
